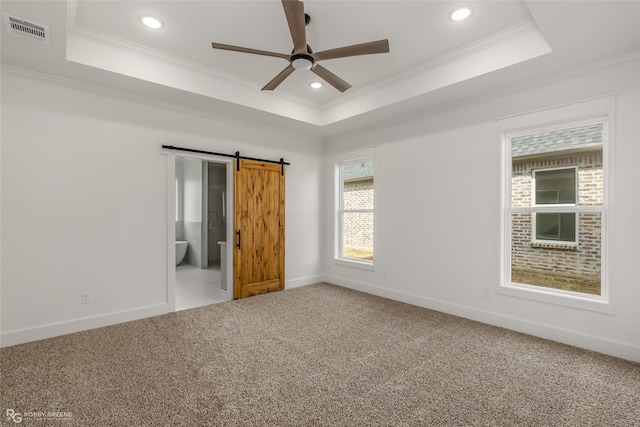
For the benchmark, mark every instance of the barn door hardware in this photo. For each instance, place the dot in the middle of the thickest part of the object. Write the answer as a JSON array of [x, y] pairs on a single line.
[[236, 156]]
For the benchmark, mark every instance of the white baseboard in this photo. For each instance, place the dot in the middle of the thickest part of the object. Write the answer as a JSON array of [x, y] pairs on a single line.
[[22, 336], [303, 281], [613, 348], [577, 339]]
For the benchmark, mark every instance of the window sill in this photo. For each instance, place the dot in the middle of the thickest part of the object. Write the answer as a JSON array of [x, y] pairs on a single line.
[[567, 246], [596, 303], [347, 262]]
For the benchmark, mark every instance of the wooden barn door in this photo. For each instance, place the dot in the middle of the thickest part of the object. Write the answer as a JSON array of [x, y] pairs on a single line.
[[259, 225]]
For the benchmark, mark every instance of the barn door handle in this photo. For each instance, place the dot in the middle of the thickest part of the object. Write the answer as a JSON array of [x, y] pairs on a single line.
[[238, 234]]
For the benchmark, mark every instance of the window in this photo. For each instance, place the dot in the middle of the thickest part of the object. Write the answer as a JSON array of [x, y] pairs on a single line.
[[554, 212], [355, 211], [558, 187]]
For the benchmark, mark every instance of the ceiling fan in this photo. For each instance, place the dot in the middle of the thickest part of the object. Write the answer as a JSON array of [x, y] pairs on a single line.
[[302, 57]]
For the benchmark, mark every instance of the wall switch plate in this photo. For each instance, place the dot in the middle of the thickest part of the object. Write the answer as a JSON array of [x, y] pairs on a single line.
[[485, 293], [86, 297]]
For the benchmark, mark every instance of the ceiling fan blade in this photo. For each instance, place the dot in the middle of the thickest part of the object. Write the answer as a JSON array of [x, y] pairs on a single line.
[[248, 50], [379, 46], [330, 78], [294, 11], [279, 78]]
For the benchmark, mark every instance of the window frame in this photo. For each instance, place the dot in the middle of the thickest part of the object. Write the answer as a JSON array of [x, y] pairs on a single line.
[[345, 159], [570, 207], [587, 112]]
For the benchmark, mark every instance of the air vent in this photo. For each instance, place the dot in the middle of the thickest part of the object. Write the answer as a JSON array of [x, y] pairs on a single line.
[[26, 28]]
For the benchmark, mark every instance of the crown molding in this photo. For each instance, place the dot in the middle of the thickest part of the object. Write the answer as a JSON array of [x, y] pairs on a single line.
[[216, 76], [492, 41], [355, 102], [144, 100], [420, 114]]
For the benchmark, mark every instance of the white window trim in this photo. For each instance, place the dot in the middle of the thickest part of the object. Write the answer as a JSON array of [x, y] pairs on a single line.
[[567, 207], [601, 109], [356, 156]]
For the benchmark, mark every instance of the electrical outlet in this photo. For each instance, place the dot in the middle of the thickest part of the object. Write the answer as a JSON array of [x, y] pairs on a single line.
[[485, 293], [86, 297]]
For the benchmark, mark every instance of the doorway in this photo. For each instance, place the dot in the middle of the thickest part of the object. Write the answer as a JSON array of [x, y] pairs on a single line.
[[251, 258], [202, 225]]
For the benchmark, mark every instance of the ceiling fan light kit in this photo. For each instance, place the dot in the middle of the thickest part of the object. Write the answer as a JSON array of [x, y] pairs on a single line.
[[302, 57], [302, 62]]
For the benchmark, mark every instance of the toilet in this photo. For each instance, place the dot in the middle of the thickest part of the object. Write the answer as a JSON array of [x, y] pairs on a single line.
[[181, 250]]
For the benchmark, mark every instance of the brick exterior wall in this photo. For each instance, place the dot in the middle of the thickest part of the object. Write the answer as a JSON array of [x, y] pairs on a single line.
[[358, 227], [583, 260]]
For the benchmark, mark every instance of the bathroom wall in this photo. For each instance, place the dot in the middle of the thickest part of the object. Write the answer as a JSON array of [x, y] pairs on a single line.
[[192, 228], [216, 215], [192, 193], [179, 199]]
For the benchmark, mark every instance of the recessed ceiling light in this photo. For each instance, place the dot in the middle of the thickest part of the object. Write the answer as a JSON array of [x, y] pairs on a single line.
[[461, 14], [151, 22], [316, 85]]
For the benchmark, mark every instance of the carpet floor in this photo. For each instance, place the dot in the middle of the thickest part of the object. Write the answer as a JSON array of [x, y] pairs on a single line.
[[318, 355]]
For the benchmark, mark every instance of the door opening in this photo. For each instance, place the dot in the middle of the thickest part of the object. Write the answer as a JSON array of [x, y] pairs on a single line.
[[202, 224]]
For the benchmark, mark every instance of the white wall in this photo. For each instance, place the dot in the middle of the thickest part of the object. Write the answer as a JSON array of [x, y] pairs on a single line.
[[84, 202], [192, 184], [192, 170], [179, 215], [216, 215], [84, 207], [438, 214]]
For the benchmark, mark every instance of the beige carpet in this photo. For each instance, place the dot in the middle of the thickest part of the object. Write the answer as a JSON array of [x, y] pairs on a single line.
[[319, 355]]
